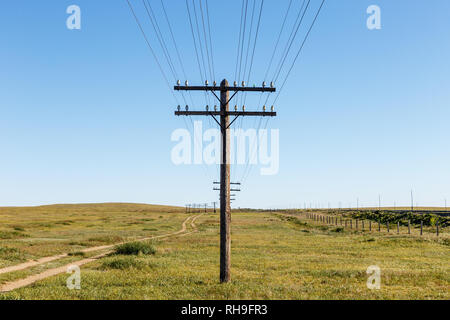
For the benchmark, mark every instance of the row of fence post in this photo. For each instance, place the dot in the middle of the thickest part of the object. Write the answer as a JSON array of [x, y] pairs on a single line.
[[334, 220]]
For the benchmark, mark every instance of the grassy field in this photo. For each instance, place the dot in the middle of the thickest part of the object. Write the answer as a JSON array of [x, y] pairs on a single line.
[[274, 256]]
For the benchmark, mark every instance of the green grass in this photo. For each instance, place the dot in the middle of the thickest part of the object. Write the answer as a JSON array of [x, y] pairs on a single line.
[[51, 230], [135, 248], [124, 263], [274, 256]]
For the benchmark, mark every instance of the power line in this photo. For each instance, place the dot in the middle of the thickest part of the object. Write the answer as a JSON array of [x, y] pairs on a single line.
[[256, 39], [176, 46], [210, 40], [151, 50], [299, 51], [206, 41], [173, 40], [195, 47], [278, 40], [291, 39], [248, 168], [159, 36], [239, 42], [289, 43], [249, 39], [245, 96], [199, 39], [195, 42], [254, 46], [243, 41]]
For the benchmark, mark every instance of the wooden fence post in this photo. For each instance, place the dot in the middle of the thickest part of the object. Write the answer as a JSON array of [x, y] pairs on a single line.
[[409, 226], [356, 224], [351, 223], [379, 226], [398, 227], [362, 225], [421, 227], [370, 225], [437, 228], [387, 226]]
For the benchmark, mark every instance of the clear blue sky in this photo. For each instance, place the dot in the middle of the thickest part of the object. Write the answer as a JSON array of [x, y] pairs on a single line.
[[87, 117]]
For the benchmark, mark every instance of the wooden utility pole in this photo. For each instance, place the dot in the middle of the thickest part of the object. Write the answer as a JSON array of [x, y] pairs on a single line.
[[225, 208], [224, 124]]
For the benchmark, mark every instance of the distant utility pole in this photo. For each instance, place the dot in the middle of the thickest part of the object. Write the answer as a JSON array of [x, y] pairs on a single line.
[[412, 201], [445, 200], [357, 203], [379, 202], [224, 124]]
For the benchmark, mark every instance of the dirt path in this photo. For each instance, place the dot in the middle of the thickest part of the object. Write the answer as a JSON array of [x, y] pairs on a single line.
[[38, 262], [55, 271], [31, 264], [46, 274]]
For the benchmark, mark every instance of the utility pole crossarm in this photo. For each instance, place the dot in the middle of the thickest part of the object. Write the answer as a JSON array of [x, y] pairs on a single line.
[[219, 88], [229, 113]]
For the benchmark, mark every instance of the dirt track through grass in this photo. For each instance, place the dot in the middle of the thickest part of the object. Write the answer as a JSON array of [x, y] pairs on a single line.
[[52, 272]]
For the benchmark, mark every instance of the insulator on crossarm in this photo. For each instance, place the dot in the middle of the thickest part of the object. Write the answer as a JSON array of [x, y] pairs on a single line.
[[179, 108], [215, 108], [206, 82], [215, 84], [272, 108], [178, 82], [271, 84], [243, 108], [264, 84], [264, 108], [186, 83], [187, 108], [235, 83], [243, 83], [235, 108], [207, 108]]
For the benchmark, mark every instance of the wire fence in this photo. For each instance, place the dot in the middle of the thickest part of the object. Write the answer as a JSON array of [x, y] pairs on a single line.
[[364, 225]]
